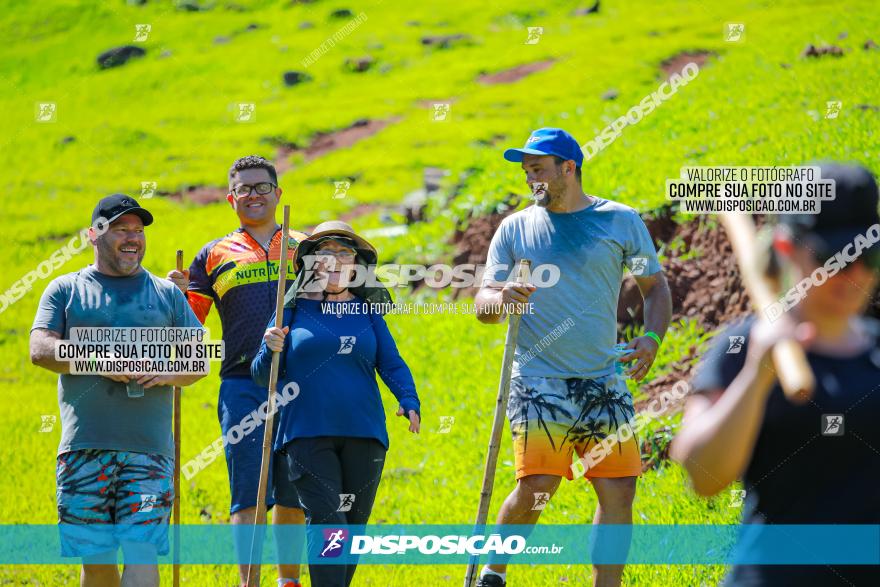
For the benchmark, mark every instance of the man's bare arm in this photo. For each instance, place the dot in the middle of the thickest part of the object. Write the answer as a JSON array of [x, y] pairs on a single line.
[[658, 302], [42, 350], [658, 313]]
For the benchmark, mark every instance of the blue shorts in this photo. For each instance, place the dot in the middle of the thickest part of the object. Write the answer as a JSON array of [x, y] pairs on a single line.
[[111, 498], [239, 396]]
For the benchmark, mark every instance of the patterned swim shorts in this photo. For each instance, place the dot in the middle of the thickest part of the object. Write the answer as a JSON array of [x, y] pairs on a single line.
[[108, 498], [551, 419]]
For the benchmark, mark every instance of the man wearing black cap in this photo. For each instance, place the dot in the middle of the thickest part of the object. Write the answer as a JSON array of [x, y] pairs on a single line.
[[565, 397], [815, 464], [116, 456]]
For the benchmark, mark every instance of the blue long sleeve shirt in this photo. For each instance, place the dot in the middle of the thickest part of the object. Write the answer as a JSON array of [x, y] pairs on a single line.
[[334, 360]]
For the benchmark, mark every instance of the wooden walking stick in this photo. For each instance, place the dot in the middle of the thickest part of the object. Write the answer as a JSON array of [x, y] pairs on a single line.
[[175, 567], [795, 376], [260, 515], [497, 422]]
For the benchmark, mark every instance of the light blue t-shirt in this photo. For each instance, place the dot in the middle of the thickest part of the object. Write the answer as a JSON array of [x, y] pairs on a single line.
[[573, 328]]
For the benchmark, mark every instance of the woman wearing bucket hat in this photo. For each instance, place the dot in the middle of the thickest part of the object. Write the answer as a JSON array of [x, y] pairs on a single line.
[[332, 440], [816, 464]]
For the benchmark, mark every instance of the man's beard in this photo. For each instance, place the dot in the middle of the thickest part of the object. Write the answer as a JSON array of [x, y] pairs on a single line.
[[543, 193], [540, 193], [111, 257]]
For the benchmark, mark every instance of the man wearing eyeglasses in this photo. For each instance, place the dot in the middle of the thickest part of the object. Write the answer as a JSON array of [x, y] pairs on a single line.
[[239, 274]]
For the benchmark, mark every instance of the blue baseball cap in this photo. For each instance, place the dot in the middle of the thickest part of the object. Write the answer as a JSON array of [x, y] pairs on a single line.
[[548, 141]]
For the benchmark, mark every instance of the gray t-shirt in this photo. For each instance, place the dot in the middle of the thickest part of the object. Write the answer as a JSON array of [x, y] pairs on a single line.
[[96, 412], [573, 328]]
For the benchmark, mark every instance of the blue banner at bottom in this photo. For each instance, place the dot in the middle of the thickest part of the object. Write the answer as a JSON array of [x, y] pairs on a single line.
[[444, 544]]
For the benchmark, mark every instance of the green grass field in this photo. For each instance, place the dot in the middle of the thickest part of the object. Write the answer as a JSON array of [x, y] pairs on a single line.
[[169, 117]]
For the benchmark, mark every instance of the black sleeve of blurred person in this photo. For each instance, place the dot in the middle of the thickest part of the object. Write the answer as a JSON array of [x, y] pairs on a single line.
[[724, 360]]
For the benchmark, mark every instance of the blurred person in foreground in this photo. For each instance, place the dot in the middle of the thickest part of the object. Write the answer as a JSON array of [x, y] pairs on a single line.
[[817, 463]]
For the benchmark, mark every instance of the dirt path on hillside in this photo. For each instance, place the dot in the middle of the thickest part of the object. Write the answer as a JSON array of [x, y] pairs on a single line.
[[321, 144]]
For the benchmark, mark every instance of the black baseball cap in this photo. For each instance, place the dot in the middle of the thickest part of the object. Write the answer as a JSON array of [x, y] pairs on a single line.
[[112, 207], [852, 211]]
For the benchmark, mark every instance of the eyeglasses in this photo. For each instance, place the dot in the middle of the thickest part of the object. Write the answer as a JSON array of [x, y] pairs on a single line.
[[262, 188], [344, 256]]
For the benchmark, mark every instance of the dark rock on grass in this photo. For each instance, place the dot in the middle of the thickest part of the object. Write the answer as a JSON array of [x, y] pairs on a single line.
[[359, 64], [446, 41], [610, 94], [306, 25], [188, 5], [224, 39], [594, 9], [342, 13], [119, 56], [492, 141], [869, 44], [814, 51], [67, 140], [842, 35], [523, 17], [292, 78]]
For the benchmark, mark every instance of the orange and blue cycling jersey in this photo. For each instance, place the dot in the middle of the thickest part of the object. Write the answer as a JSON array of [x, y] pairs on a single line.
[[240, 277]]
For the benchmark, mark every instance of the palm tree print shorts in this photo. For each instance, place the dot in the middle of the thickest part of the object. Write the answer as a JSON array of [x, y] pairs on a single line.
[[113, 498], [552, 419]]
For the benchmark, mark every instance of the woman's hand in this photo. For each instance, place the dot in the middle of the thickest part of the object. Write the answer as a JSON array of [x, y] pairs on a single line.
[[274, 338], [414, 420]]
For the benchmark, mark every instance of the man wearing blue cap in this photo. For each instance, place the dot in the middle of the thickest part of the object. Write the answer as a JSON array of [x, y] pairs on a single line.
[[565, 396]]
